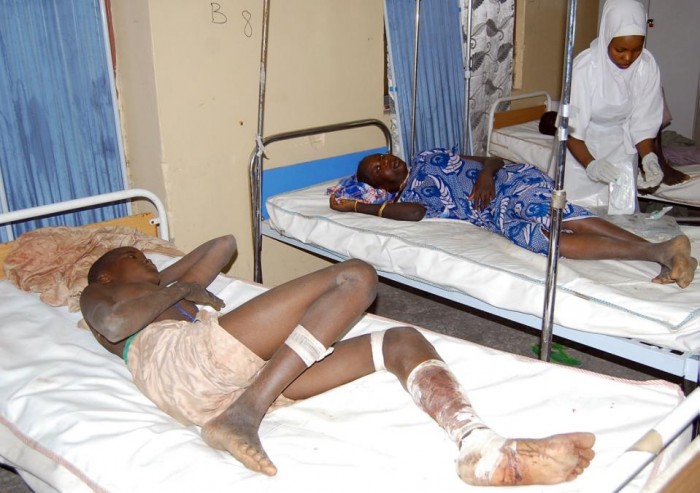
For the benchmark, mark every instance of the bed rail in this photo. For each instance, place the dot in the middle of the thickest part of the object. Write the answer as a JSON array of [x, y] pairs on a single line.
[[256, 168], [517, 115], [103, 199], [647, 448]]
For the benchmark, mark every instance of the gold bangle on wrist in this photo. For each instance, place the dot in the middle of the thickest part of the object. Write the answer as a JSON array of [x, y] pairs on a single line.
[[354, 208], [381, 209]]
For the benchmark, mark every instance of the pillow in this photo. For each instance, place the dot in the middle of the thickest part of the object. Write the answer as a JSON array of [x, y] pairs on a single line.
[[55, 261], [351, 188]]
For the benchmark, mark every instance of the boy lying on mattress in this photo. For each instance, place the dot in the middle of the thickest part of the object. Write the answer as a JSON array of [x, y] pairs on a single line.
[[513, 201], [225, 372]]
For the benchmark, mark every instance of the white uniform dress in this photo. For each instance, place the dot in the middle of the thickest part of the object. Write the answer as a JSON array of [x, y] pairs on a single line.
[[612, 109]]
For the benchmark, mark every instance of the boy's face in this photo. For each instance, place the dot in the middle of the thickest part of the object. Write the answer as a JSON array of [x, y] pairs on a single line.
[[129, 264], [624, 50]]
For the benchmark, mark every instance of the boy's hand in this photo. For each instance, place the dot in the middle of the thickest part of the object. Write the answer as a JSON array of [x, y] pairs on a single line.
[[201, 296]]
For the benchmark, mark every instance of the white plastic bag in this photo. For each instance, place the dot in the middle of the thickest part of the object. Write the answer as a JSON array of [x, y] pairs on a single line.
[[622, 192]]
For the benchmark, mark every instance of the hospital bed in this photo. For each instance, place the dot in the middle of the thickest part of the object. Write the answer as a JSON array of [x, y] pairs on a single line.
[[514, 135], [71, 419], [608, 305]]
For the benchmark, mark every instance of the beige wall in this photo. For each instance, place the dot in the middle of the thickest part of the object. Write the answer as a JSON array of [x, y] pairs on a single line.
[[540, 42], [188, 83]]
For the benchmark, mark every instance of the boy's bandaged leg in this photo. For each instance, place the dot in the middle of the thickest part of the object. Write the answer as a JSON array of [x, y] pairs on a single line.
[[435, 390], [307, 347]]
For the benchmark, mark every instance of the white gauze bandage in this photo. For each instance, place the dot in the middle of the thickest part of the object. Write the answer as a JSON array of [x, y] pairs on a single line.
[[307, 347], [376, 340], [488, 446], [437, 392]]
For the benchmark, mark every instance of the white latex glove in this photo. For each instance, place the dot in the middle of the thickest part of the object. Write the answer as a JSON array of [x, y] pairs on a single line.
[[601, 170], [652, 172]]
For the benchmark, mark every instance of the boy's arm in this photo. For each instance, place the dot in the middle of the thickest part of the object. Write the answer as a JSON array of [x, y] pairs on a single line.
[[203, 263], [117, 312]]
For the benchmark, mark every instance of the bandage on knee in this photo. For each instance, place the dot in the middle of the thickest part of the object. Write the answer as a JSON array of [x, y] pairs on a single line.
[[306, 346], [376, 340]]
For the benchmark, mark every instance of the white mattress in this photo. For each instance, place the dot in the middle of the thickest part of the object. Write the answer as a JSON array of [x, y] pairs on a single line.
[[72, 420], [608, 297], [522, 143], [525, 143]]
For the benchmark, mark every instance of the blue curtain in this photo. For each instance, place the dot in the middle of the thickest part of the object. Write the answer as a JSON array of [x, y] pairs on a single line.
[[439, 120], [59, 132]]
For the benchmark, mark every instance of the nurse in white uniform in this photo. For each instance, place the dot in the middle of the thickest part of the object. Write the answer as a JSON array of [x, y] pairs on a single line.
[[616, 112]]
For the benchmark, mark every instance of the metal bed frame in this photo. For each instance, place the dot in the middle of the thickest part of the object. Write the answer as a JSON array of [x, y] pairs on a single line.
[[663, 359], [161, 219]]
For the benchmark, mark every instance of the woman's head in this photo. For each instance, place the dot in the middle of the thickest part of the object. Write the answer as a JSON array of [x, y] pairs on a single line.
[[384, 171], [622, 31]]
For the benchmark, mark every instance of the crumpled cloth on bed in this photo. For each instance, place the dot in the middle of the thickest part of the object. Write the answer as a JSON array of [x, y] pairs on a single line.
[[54, 261]]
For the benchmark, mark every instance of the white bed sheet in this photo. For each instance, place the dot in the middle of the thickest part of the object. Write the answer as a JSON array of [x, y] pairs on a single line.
[[525, 143], [606, 297], [72, 420]]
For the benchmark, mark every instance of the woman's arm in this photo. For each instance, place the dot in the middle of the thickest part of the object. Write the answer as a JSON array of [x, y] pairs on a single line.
[[598, 170], [491, 164], [484, 188], [579, 150], [402, 211], [644, 147]]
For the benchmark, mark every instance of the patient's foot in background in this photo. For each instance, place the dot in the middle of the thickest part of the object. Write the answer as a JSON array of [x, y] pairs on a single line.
[[678, 266], [551, 460], [236, 431]]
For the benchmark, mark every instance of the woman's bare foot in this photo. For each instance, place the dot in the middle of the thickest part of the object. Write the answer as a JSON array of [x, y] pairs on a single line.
[[551, 460], [678, 266], [237, 432]]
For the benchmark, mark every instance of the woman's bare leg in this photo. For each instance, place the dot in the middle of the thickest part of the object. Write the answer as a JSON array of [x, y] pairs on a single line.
[[325, 303], [601, 227], [596, 239]]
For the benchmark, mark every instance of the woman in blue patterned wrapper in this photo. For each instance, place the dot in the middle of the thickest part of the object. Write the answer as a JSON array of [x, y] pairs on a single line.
[[513, 201]]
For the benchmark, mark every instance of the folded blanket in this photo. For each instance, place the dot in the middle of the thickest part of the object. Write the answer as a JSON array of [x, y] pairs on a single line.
[[55, 261]]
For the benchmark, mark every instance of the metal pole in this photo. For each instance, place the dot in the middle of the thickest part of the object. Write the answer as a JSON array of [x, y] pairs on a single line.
[[415, 81], [467, 143], [558, 194], [256, 172]]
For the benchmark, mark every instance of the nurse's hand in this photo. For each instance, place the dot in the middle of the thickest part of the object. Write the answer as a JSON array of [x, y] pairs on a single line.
[[602, 171], [652, 175]]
